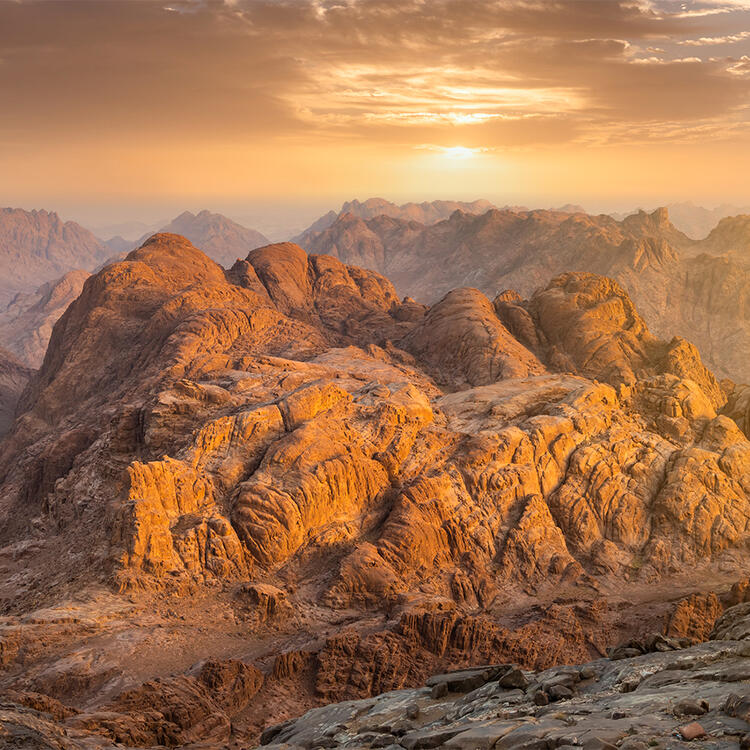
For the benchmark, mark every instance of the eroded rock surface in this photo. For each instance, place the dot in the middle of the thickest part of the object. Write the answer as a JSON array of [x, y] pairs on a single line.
[[284, 467], [665, 698]]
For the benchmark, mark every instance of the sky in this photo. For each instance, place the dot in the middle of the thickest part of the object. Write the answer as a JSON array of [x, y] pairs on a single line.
[[115, 109]]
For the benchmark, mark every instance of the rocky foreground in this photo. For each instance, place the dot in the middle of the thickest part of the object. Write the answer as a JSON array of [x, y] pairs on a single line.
[[231, 496], [652, 694]]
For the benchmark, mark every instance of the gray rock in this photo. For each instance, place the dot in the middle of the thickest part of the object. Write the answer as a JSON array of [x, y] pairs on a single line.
[[690, 707], [515, 678], [428, 738], [560, 693], [439, 690]]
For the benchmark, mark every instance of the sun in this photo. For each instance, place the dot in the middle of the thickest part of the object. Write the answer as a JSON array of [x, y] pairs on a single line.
[[459, 152]]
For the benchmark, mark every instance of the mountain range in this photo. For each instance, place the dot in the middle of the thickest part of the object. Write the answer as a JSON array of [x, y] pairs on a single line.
[[697, 289], [45, 261], [232, 495], [37, 246]]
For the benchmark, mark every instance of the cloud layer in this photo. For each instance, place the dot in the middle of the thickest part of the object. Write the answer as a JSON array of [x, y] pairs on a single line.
[[490, 75]]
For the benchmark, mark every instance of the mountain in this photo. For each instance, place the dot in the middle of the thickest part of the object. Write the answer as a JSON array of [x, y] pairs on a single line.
[[37, 246], [26, 323], [424, 213], [731, 237], [119, 245], [696, 221], [678, 287], [220, 238], [231, 496]]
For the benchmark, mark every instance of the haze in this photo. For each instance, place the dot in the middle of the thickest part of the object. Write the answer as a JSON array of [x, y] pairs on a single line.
[[137, 109]]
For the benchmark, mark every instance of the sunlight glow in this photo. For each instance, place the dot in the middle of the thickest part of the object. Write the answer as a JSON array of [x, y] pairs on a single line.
[[460, 152]]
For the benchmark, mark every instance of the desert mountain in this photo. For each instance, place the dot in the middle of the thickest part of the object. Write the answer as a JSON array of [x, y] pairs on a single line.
[[232, 495], [220, 238], [37, 246], [26, 324], [731, 237], [696, 221], [427, 212], [679, 288]]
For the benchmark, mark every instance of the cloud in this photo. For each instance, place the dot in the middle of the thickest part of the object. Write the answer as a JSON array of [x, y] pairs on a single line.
[[715, 40], [399, 71]]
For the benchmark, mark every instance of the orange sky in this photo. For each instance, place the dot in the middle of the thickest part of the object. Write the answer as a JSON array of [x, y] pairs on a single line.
[[202, 103]]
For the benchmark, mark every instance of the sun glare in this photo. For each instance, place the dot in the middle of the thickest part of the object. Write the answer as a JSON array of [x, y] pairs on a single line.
[[459, 152]]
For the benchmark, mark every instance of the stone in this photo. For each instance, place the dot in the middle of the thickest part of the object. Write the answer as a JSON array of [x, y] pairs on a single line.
[[560, 693], [439, 690], [692, 731], [690, 707], [515, 678]]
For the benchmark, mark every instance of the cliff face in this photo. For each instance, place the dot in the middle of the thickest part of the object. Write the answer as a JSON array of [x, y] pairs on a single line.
[[13, 379], [697, 290], [285, 464]]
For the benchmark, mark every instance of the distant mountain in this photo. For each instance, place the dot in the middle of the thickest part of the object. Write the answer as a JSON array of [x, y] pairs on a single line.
[[427, 212], [696, 221], [424, 213], [731, 236], [37, 246], [679, 288], [26, 324], [119, 245], [220, 238], [127, 230]]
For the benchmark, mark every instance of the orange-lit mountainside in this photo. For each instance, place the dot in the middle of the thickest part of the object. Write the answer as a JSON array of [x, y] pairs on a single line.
[[230, 496]]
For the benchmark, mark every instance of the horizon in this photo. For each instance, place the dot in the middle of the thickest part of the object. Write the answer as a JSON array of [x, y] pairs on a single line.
[[280, 221]]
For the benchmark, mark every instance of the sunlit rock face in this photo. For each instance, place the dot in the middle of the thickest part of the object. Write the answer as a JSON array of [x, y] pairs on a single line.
[[330, 492]]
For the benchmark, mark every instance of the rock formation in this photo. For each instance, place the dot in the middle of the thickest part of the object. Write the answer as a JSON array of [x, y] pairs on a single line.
[[323, 492], [667, 696], [697, 290]]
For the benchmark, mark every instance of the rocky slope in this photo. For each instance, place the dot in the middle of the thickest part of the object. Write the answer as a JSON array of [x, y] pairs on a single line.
[[26, 323], [13, 379], [679, 287], [37, 246], [233, 495]]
